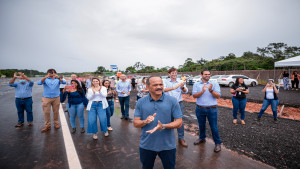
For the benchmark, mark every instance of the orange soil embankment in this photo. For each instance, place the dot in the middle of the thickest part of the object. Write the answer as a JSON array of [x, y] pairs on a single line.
[[288, 112]]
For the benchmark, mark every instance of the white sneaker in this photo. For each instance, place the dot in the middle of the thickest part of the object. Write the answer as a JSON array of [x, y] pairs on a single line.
[[106, 134], [110, 129], [95, 137]]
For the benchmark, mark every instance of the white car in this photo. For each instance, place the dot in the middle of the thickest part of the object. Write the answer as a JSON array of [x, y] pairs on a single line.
[[229, 80], [196, 79], [215, 78]]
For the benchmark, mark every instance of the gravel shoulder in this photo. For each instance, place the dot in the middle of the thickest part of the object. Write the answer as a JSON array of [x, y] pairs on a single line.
[[265, 141]]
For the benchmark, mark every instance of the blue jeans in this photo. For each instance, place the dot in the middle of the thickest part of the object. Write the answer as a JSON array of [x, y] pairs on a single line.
[[168, 158], [124, 103], [180, 131], [24, 105], [212, 116], [96, 109], [266, 103], [109, 111], [76, 109], [137, 98], [239, 105]]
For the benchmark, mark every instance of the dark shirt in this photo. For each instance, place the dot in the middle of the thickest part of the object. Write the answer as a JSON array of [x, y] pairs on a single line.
[[240, 95], [286, 74], [110, 96], [133, 80], [74, 98]]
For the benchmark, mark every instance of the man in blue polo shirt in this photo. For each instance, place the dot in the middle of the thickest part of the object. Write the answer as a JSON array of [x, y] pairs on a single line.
[[23, 97], [207, 92], [51, 98], [157, 115]]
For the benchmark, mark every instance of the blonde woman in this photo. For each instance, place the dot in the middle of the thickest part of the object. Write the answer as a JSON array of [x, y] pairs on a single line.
[[96, 106]]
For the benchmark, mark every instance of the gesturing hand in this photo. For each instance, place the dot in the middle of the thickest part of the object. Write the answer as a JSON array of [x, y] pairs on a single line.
[[210, 86], [158, 127], [150, 118], [204, 88]]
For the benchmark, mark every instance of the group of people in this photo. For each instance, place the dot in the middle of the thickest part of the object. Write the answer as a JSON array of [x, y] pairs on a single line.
[[159, 108], [294, 80]]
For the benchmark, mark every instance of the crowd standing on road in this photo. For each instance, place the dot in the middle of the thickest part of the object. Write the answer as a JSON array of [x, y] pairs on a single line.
[[159, 109]]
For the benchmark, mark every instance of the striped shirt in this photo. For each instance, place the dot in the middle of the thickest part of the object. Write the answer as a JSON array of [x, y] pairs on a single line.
[[177, 93], [51, 87], [23, 90]]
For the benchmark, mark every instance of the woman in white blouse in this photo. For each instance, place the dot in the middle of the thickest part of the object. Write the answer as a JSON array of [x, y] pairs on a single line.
[[96, 106]]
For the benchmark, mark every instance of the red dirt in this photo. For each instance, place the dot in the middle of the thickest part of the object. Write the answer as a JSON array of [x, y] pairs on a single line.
[[288, 112]]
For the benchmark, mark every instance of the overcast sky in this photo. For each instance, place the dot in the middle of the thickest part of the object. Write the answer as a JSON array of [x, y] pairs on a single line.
[[80, 35]]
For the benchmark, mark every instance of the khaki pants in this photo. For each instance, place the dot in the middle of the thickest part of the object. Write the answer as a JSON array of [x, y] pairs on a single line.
[[47, 103]]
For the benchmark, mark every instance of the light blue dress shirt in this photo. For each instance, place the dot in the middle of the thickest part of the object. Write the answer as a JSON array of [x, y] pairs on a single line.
[[88, 83], [206, 99], [51, 87], [123, 86], [23, 90], [177, 93]]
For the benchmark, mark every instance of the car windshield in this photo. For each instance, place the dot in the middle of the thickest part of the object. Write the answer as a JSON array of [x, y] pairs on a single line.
[[215, 77], [197, 77]]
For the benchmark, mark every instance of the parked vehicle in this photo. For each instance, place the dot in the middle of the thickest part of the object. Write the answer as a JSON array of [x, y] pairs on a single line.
[[215, 78], [196, 79], [229, 80]]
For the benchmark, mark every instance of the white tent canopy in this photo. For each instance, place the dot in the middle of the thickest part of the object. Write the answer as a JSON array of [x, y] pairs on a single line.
[[291, 62]]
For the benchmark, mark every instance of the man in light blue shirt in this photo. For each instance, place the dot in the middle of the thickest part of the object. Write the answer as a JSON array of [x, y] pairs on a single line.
[[157, 115], [207, 92], [175, 88], [123, 88], [23, 97], [51, 98]]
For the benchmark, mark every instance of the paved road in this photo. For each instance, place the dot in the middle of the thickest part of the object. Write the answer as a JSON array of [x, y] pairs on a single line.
[[28, 148]]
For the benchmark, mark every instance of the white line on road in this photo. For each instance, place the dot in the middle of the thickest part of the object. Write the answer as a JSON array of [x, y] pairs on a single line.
[[72, 156]]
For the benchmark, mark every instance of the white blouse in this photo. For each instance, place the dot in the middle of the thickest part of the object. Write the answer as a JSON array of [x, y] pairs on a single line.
[[98, 96]]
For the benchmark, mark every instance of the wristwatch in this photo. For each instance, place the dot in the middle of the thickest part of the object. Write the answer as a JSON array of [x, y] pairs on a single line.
[[164, 126], [182, 88], [211, 90]]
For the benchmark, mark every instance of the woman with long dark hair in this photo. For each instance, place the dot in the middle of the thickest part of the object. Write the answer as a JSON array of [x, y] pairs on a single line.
[[96, 107], [76, 103], [239, 100], [111, 94], [142, 89], [295, 80], [271, 97]]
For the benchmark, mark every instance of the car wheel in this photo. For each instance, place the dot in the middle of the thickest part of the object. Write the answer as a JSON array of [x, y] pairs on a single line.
[[230, 84], [253, 84]]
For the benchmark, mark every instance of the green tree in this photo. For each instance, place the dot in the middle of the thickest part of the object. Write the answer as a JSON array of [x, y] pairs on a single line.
[[130, 69], [100, 70]]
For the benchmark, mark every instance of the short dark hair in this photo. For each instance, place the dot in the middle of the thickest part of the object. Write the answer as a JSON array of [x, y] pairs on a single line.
[[148, 80], [172, 69], [204, 71], [51, 70]]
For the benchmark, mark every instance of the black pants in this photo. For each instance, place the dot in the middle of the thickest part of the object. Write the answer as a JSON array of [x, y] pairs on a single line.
[[295, 82]]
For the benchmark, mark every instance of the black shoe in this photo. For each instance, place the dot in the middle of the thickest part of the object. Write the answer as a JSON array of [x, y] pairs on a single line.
[[198, 141], [73, 130], [82, 130], [217, 148], [19, 125], [123, 117], [128, 118], [275, 121], [258, 118]]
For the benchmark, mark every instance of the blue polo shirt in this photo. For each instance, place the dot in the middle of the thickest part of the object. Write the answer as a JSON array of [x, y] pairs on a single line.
[[206, 99], [23, 90], [51, 87], [167, 109]]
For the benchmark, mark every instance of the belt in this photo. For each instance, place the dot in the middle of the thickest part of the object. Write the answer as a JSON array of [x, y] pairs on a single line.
[[180, 102], [98, 101], [24, 98], [210, 107]]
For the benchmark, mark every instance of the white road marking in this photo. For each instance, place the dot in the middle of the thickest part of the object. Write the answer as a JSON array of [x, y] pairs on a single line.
[[72, 156]]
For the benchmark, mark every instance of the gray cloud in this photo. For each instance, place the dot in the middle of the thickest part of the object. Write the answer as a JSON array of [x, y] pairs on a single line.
[[81, 35]]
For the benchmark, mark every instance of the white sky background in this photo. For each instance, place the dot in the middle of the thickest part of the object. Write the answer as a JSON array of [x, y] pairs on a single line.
[[77, 35]]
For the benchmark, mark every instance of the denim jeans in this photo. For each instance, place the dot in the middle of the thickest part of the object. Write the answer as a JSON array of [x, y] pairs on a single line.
[[137, 98], [180, 131], [168, 158], [76, 109], [274, 103], [124, 103], [239, 105], [24, 105], [212, 116], [96, 109], [109, 111]]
